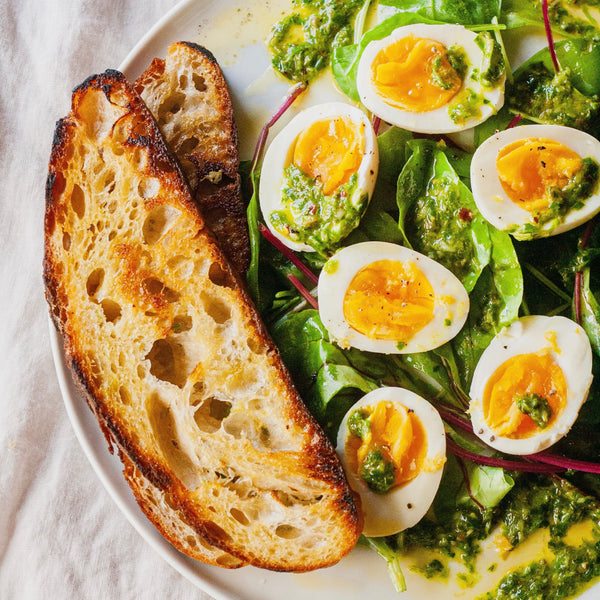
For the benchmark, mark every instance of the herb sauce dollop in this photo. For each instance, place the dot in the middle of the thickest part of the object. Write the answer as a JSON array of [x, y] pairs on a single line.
[[302, 41]]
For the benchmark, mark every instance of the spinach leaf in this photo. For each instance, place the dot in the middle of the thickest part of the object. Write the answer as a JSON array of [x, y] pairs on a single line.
[[380, 219], [434, 375], [498, 122], [582, 57], [389, 553], [495, 302], [329, 379], [447, 357], [344, 63], [412, 181], [486, 486], [465, 12], [250, 180], [590, 312], [438, 217], [507, 277], [543, 96], [549, 266], [437, 213], [392, 154], [376, 224]]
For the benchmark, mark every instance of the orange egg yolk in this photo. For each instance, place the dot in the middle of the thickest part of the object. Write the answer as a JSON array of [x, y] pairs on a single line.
[[401, 437], [535, 373], [330, 151], [403, 74], [389, 300], [529, 168]]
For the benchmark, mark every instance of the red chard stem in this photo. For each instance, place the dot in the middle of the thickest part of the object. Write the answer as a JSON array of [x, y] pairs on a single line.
[[549, 36], [288, 254], [303, 291]]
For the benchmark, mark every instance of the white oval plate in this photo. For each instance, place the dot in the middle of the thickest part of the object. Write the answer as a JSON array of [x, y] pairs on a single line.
[[229, 28]]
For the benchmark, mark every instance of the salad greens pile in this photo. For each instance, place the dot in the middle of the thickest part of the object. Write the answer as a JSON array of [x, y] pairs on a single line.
[[423, 200]]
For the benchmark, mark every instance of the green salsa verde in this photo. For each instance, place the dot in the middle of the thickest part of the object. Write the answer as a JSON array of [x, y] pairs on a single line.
[[443, 73], [468, 102], [309, 216], [439, 231], [466, 106], [302, 41], [566, 21], [547, 97], [537, 407], [376, 471], [557, 505], [359, 423], [568, 574], [493, 67], [535, 502]]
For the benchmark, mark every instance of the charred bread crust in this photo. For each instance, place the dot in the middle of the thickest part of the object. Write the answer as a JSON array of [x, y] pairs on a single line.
[[171, 355], [189, 98]]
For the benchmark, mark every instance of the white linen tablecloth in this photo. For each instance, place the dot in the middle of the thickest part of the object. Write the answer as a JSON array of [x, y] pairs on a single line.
[[61, 535]]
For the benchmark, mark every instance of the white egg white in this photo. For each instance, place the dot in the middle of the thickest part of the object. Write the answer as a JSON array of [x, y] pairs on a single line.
[[280, 152], [438, 120], [403, 506], [493, 202], [450, 311], [570, 348]]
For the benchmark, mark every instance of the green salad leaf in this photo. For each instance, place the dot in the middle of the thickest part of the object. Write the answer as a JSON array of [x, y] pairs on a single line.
[[433, 375], [329, 379], [380, 221], [590, 311], [543, 96], [466, 12], [250, 178], [495, 303], [438, 215], [471, 484]]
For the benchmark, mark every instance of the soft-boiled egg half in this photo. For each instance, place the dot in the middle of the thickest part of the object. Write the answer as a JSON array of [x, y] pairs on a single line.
[[431, 78], [530, 383], [392, 446], [318, 176], [382, 297], [537, 180]]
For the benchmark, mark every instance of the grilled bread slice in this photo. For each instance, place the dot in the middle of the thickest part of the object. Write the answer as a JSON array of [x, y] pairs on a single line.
[[188, 96], [170, 353], [158, 506]]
